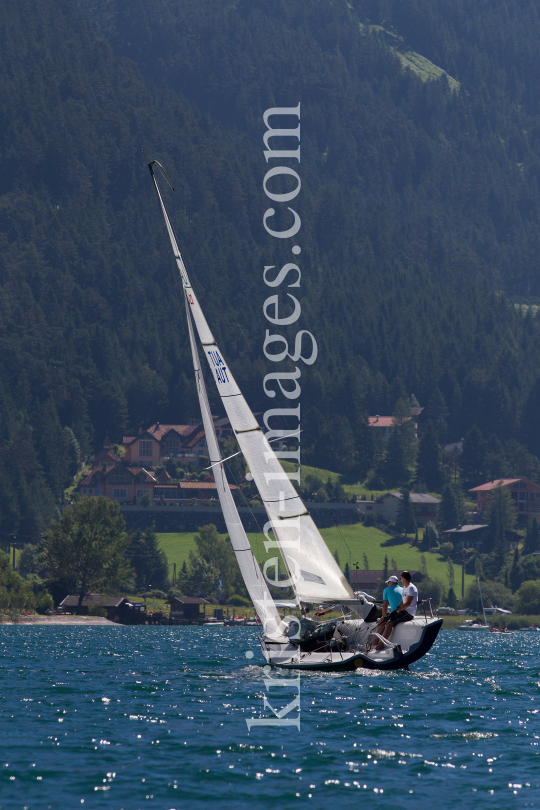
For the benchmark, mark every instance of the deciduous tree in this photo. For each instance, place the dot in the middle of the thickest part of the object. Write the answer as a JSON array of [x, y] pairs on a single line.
[[85, 548]]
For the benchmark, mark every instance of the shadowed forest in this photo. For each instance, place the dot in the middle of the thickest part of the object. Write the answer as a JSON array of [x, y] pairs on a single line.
[[420, 206]]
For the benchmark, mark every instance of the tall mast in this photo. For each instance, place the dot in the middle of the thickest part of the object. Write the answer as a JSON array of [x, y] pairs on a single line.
[[314, 574]]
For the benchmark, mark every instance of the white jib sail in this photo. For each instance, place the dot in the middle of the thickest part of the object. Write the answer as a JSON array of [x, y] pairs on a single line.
[[249, 567], [313, 572]]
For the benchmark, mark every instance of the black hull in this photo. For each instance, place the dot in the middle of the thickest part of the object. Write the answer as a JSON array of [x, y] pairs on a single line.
[[360, 661]]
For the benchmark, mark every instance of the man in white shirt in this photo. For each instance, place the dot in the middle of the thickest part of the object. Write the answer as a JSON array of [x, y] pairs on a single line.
[[406, 609]]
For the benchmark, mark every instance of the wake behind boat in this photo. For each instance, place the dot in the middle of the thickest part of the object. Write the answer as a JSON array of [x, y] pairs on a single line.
[[292, 642]]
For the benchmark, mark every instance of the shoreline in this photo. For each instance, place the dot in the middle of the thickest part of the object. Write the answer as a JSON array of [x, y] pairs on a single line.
[[59, 620]]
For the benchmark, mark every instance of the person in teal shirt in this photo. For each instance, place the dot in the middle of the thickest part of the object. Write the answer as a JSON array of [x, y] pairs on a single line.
[[391, 595], [391, 599]]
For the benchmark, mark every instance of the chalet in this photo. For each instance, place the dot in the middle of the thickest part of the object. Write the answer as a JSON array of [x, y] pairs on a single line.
[[120, 483], [368, 581], [384, 425], [160, 442], [119, 609], [424, 507], [188, 608], [467, 536], [525, 493]]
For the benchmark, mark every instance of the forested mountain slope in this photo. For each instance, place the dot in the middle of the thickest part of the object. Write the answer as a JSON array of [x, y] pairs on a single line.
[[463, 166], [419, 210]]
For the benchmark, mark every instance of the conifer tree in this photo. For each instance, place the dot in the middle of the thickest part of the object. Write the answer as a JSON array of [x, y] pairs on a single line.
[[405, 521], [148, 560], [473, 458], [516, 572], [448, 517], [532, 538], [502, 517], [429, 464], [437, 412]]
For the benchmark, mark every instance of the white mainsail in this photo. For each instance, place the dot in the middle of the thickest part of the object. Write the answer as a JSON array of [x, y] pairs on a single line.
[[313, 572], [249, 567]]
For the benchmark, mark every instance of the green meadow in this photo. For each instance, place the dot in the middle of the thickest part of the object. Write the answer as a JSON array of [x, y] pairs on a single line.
[[351, 543]]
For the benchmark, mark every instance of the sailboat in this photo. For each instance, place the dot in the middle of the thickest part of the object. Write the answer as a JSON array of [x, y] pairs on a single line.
[[303, 640], [475, 624]]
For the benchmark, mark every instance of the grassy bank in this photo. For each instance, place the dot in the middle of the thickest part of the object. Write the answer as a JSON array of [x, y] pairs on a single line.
[[351, 543]]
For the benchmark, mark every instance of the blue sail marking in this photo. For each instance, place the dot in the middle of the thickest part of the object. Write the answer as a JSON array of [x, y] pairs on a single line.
[[220, 369]]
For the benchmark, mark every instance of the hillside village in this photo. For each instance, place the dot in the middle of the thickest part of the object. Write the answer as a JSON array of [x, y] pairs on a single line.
[[163, 466]]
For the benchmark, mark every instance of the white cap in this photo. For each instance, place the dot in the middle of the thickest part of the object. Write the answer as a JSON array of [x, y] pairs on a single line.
[[392, 579]]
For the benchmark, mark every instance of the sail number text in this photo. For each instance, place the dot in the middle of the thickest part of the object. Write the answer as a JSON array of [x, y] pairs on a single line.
[[219, 367]]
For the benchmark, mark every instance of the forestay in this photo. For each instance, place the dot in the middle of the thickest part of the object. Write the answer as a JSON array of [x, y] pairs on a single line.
[[313, 572]]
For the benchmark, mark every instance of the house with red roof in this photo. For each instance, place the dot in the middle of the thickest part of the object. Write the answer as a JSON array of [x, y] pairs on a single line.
[[160, 442], [384, 425], [186, 490], [525, 494]]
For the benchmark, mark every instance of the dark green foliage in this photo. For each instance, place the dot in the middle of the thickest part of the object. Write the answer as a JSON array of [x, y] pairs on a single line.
[[494, 594], [449, 514], [531, 567], [84, 550], [405, 521], [30, 561], [214, 560], [473, 458], [502, 517], [200, 579], [14, 591], [429, 465], [347, 572], [451, 598], [431, 589], [495, 460], [437, 413], [528, 597], [515, 576], [238, 601], [44, 603], [148, 560], [431, 537], [412, 193], [532, 538]]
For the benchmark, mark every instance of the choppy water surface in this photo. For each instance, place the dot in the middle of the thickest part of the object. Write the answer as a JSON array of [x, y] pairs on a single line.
[[151, 717]]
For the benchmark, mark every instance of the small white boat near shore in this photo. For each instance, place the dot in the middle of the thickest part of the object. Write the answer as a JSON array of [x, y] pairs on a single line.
[[476, 624], [472, 624]]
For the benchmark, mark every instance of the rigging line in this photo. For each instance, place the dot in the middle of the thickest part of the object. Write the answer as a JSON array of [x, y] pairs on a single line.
[[169, 265], [339, 530], [247, 504], [255, 561], [200, 379], [277, 439]]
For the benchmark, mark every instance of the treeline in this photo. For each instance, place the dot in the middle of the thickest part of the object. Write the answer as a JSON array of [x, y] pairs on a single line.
[[419, 203]]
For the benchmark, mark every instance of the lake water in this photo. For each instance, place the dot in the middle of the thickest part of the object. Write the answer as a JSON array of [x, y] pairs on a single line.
[[150, 717]]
